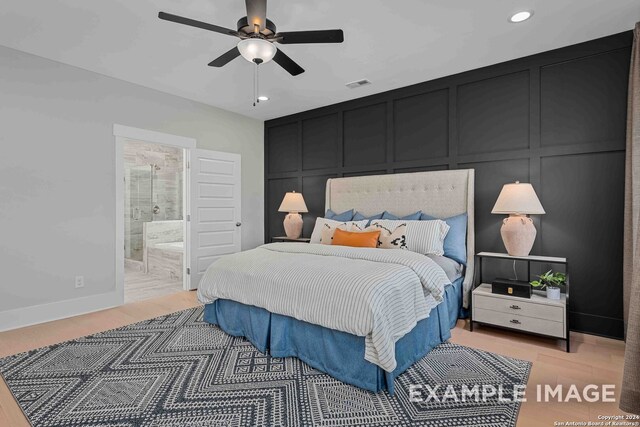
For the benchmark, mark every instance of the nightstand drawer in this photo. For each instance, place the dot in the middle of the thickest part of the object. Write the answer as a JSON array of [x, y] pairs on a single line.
[[515, 321], [521, 308]]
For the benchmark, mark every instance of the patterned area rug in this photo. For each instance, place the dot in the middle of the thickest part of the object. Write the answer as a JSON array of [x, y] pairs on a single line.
[[176, 370]]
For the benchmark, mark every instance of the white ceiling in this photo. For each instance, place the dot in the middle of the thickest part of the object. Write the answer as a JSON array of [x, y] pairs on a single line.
[[393, 43]]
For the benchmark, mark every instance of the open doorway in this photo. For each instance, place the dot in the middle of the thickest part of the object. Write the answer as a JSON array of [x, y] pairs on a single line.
[[154, 257], [152, 207], [177, 210]]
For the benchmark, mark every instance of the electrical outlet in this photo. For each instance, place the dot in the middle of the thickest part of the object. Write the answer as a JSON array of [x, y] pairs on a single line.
[[79, 282]]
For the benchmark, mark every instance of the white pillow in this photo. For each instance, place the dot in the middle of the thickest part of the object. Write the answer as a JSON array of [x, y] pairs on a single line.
[[423, 237], [316, 235], [390, 239]]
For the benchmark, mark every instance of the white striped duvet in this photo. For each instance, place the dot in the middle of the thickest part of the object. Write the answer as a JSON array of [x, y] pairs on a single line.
[[379, 294]]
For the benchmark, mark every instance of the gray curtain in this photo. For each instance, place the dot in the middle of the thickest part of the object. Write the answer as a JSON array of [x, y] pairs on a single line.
[[630, 395]]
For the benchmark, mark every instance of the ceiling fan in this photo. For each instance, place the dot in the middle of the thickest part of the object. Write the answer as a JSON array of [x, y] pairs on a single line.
[[257, 37]]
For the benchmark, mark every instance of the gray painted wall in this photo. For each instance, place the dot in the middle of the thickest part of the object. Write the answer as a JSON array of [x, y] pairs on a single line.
[[57, 172]]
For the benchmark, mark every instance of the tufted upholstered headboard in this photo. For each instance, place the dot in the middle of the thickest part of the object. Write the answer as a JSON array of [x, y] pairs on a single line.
[[440, 194]]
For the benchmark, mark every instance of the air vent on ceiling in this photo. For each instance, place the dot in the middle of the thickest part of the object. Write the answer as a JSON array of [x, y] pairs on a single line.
[[358, 83]]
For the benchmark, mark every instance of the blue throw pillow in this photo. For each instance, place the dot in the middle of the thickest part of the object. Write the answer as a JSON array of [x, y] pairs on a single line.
[[413, 217], [344, 216], [359, 217], [455, 243]]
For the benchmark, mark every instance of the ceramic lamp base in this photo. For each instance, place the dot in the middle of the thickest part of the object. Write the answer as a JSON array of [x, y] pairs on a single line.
[[293, 225], [518, 234]]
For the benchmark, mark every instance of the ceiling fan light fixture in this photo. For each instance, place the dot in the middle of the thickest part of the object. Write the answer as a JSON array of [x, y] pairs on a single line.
[[255, 48], [258, 35], [263, 98]]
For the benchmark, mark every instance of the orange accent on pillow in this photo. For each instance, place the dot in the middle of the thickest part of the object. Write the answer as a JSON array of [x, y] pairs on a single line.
[[357, 239]]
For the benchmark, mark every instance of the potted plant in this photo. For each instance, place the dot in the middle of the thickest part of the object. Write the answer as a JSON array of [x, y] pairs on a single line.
[[551, 282]]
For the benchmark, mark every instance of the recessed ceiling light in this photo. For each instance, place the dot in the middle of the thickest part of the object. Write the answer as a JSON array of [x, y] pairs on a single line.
[[358, 83], [521, 16], [263, 98]]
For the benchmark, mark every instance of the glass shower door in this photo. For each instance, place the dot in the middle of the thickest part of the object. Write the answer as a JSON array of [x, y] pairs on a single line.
[[138, 209]]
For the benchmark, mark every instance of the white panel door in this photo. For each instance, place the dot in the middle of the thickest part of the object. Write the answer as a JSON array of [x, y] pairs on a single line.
[[214, 224]]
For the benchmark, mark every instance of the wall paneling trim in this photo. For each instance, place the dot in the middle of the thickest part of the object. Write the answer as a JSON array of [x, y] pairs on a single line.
[[556, 119]]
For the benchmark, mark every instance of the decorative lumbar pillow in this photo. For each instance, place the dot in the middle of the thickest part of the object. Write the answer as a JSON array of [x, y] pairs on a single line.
[[412, 217], [391, 238], [344, 216], [455, 244], [423, 237], [319, 229], [356, 239]]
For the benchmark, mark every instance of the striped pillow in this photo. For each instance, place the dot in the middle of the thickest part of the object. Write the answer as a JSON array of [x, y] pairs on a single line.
[[423, 237]]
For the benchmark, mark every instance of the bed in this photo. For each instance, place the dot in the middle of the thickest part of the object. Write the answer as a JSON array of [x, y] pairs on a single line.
[[361, 315]]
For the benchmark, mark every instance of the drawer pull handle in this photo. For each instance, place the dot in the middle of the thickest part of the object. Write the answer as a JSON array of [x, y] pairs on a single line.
[[515, 307], [515, 321]]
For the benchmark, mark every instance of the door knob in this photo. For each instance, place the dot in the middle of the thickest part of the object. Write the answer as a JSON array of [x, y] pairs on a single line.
[[238, 224]]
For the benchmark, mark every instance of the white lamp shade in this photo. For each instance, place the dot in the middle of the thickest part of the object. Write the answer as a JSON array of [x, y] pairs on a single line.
[[518, 198], [293, 202], [251, 49]]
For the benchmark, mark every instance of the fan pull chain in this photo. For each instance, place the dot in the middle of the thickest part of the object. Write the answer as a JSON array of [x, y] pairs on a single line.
[[256, 88], [255, 79]]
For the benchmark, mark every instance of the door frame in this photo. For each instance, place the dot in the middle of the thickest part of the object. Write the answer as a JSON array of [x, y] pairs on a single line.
[[122, 133]]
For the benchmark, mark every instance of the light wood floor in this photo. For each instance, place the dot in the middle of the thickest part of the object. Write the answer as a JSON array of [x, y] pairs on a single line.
[[139, 286], [593, 360]]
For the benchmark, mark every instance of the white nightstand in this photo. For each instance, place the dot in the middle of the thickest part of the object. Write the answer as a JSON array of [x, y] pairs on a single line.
[[537, 315]]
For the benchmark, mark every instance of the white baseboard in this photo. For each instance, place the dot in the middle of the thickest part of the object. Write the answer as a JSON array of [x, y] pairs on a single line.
[[27, 316]]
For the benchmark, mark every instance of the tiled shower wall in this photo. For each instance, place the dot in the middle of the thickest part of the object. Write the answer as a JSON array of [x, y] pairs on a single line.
[[167, 190]]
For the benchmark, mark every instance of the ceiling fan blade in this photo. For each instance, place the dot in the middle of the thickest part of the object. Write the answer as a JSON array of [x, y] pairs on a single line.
[[198, 24], [256, 12], [319, 36], [225, 58], [287, 63]]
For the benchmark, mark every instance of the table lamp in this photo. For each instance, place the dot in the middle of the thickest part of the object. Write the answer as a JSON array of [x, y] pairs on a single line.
[[294, 204], [518, 232]]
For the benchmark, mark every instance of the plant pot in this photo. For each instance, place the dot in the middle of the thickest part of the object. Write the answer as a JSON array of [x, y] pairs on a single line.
[[553, 292]]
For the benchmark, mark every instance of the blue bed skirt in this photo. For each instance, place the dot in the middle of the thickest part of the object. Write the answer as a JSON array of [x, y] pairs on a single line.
[[337, 353]]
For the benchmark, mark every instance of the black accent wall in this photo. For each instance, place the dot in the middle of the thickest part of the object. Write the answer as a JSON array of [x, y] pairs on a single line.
[[555, 119]]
